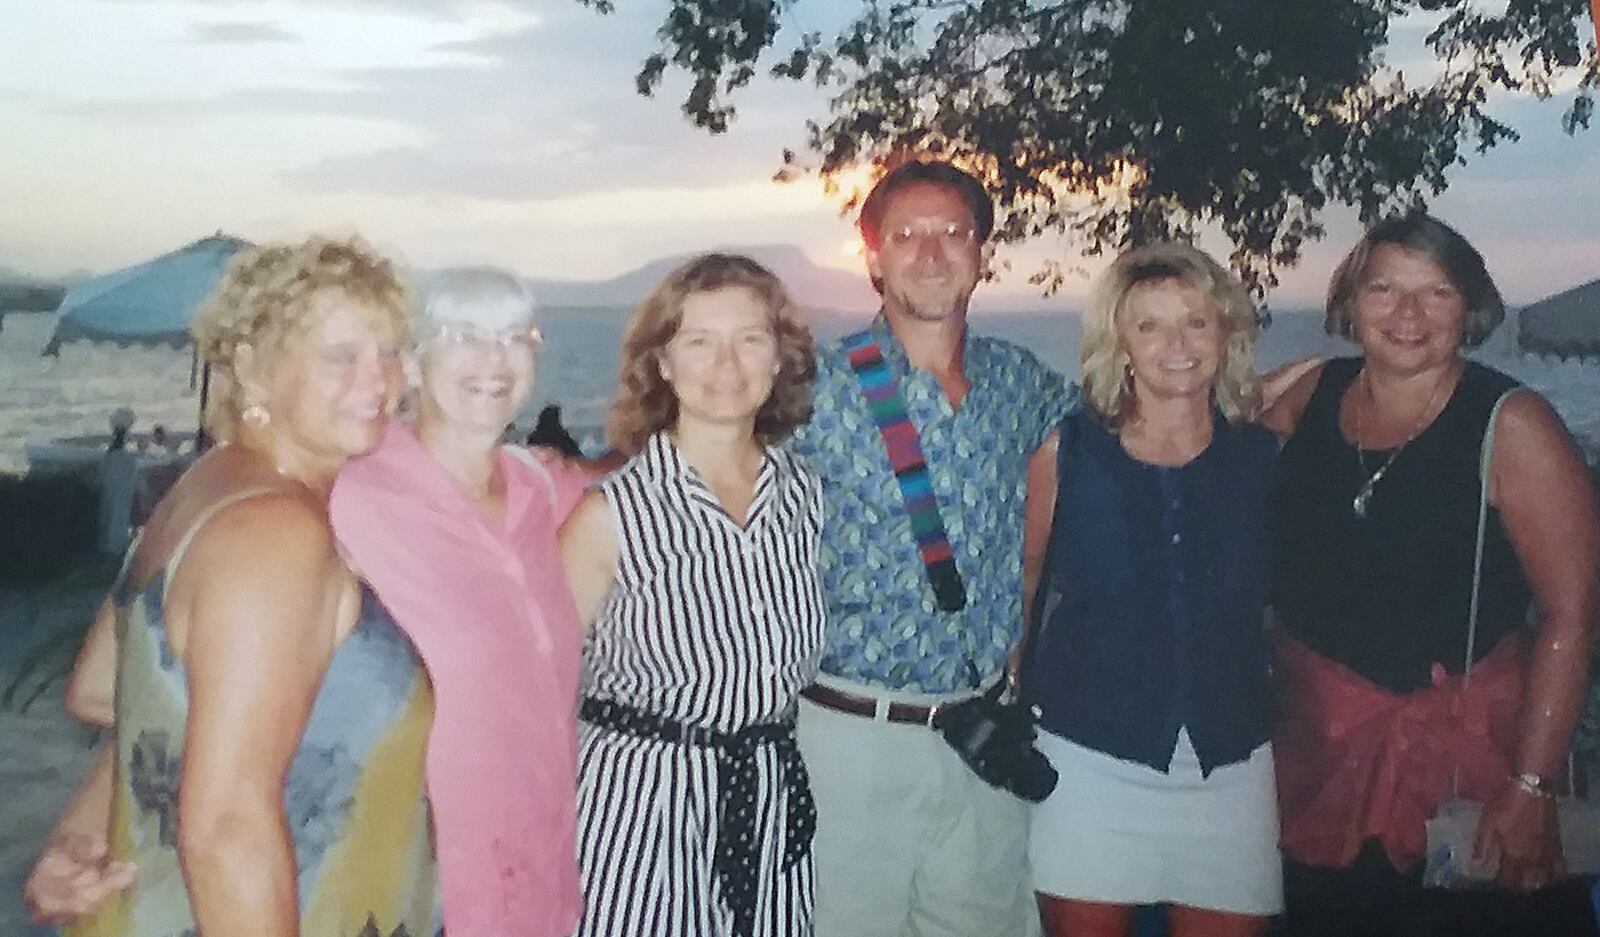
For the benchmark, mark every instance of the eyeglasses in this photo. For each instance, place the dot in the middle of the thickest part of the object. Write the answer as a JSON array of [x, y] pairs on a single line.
[[469, 337], [949, 234]]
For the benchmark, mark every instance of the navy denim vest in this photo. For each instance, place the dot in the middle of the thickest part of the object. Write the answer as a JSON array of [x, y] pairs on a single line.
[[1150, 613]]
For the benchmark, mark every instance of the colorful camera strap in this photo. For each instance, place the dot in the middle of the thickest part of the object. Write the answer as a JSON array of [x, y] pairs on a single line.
[[888, 409]]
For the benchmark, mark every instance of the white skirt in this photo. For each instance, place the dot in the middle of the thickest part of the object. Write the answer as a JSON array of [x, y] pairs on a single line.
[[1120, 832]]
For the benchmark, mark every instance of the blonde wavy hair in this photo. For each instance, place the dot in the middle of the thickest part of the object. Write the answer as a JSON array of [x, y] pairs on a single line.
[[645, 402], [268, 295], [1105, 369]]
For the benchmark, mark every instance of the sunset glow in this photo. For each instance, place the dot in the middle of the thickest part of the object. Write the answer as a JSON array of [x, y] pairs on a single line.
[[452, 132]]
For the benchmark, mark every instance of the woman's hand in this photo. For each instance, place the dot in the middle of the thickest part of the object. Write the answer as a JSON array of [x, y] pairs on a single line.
[[1519, 829], [74, 873], [72, 877]]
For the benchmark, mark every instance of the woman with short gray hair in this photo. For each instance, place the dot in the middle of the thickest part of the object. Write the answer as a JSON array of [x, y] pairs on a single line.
[[457, 536]]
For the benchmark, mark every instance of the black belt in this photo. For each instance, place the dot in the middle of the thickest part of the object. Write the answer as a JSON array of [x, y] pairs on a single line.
[[737, 859], [905, 713]]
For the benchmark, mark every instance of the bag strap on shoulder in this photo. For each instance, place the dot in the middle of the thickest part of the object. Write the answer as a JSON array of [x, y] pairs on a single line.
[[904, 446], [1485, 463]]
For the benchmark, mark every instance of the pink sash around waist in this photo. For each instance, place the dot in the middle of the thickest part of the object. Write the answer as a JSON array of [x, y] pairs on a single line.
[[1358, 762]]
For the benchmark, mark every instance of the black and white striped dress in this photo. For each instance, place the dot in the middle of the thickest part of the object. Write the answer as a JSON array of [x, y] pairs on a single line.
[[712, 626]]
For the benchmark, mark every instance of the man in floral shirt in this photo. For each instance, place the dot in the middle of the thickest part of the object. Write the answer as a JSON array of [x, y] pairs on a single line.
[[909, 840]]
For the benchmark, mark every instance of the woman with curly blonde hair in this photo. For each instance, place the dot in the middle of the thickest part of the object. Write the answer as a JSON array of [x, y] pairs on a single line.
[[696, 564], [1146, 569], [270, 719]]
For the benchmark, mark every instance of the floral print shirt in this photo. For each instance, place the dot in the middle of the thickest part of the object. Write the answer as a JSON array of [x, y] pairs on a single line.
[[884, 629]]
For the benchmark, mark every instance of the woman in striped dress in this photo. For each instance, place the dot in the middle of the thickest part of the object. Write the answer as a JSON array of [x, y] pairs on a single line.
[[696, 565]]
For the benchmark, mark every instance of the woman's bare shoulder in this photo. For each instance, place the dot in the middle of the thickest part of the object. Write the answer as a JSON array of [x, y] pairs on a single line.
[[590, 517], [1283, 416], [219, 493]]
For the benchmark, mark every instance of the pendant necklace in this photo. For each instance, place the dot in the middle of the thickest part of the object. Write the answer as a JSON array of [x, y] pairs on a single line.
[[1358, 504]]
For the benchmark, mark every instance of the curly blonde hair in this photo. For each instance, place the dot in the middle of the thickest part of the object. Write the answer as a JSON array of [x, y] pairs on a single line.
[[1235, 391], [267, 296], [646, 403]]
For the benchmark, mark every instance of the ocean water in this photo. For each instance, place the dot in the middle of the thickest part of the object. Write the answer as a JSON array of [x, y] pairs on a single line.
[[74, 393]]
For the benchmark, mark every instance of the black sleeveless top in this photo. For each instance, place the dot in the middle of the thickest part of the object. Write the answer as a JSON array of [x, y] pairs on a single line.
[[1388, 595]]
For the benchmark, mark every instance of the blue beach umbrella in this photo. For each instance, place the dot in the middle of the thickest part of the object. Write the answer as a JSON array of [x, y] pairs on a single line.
[[149, 303]]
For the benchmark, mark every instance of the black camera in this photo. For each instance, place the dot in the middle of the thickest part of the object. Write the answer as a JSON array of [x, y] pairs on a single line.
[[995, 739]]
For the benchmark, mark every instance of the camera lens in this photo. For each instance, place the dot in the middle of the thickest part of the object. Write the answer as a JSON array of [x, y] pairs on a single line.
[[1033, 778]]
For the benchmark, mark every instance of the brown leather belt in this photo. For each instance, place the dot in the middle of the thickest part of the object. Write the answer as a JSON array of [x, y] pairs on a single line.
[[909, 713]]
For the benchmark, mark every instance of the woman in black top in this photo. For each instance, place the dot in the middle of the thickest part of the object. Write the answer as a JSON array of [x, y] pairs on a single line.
[[1375, 514]]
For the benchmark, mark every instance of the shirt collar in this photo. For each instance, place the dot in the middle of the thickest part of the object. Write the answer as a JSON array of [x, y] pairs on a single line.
[[894, 354], [660, 459], [445, 491], [663, 462]]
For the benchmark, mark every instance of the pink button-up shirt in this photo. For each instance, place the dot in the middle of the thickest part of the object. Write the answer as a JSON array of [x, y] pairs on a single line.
[[487, 605]]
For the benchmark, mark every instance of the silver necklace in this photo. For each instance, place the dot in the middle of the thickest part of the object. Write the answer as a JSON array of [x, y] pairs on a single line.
[[1358, 504]]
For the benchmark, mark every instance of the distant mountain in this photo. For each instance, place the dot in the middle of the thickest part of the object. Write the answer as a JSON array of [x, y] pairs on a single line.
[[24, 292], [29, 295], [812, 285], [827, 289], [1567, 323], [11, 276]]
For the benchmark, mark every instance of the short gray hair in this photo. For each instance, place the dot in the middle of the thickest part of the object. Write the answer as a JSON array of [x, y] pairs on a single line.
[[471, 294]]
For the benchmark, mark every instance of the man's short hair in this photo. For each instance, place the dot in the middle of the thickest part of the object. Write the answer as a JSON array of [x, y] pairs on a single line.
[[870, 220]]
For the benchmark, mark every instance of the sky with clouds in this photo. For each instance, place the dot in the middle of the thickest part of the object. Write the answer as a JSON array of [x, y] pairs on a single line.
[[508, 131]]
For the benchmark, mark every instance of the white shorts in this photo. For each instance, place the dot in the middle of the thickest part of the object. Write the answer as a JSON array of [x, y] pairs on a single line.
[[1120, 832]]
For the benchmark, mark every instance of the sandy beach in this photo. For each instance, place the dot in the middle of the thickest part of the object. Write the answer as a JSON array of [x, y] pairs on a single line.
[[42, 751]]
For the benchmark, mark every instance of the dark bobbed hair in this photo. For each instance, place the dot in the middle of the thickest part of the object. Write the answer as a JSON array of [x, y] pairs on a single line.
[[870, 220], [645, 402], [1442, 244]]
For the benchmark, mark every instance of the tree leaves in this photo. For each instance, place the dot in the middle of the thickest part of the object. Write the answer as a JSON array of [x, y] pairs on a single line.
[[1122, 121]]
